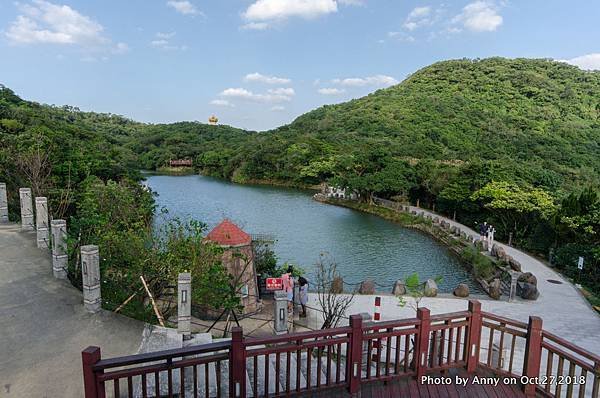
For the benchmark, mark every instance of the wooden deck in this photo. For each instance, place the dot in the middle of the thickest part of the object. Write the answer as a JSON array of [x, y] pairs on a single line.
[[409, 387]]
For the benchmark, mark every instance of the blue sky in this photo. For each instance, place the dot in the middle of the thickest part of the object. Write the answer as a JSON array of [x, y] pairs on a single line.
[[258, 64]]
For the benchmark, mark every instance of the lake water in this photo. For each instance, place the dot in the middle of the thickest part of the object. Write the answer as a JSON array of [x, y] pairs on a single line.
[[363, 246]]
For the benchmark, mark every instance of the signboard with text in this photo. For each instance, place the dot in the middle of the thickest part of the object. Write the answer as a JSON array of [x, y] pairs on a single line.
[[274, 284], [580, 263]]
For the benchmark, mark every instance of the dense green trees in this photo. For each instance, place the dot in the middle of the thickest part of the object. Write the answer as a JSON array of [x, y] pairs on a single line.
[[514, 142]]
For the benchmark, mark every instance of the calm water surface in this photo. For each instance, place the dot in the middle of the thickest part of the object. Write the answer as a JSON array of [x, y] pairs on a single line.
[[364, 246]]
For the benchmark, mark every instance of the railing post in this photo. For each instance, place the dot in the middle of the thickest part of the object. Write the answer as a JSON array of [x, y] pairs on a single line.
[[354, 364], [474, 335], [237, 364], [89, 357], [533, 353], [422, 348]]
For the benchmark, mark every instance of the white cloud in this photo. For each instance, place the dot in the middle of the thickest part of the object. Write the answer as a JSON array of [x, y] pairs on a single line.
[[120, 48], [288, 92], [45, 22], [257, 77], [222, 102], [163, 42], [376, 81], [587, 62], [401, 36], [351, 2], [278, 108], [268, 10], [418, 17], [256, 26], [480, 16], [168, 35], [331, 91], [272, 96], [183, 7]]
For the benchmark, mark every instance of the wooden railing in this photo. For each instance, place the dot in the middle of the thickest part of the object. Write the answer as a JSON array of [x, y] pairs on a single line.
[[351, 356]]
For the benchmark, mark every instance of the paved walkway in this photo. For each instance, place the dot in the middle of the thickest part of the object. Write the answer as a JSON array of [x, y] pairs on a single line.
[[562, 308], [43, 326]]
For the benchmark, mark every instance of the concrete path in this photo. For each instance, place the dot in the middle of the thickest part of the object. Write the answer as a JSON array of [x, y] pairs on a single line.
[[564, 311], [43, 326]]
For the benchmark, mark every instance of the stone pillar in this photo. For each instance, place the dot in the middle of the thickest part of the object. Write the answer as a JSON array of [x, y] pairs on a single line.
[[184, 305], [280, 312], [59, 248], [3, 204], [26, 209], [41, 222], [90, 270], [514, 278]]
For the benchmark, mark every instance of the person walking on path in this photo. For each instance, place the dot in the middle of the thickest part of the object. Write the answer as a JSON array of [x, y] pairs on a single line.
[[483, 230], [303, 295], [288, 286]]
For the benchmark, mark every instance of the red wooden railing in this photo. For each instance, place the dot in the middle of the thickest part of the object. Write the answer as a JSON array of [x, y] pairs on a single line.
[[350, 357]]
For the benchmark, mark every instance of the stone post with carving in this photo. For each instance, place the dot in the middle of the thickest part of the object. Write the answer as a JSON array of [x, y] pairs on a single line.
[[3, 204], [59, 248], [26, 209], [41, 222], [184, 304], [90, 270]]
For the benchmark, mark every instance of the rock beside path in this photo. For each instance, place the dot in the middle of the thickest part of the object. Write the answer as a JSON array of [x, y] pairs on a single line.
[[462, 290], [431, 288]]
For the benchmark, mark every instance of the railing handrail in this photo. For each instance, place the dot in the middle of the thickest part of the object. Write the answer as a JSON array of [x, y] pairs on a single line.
[[420, 336], [293, 337], [160, 355], [505, 320], [570, 346]]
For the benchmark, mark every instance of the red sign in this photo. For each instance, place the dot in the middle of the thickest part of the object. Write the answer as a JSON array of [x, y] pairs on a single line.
[[274, 284]]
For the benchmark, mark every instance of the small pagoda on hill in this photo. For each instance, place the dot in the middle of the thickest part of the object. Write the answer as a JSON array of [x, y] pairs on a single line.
[[238, 259]]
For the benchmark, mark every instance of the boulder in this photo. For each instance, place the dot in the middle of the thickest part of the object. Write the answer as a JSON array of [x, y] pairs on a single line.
[[528, 291], [367, 287], [462, 290], [484, 245], [436, 220], [514, 264], [528, 277], [495, 289], [495, 250], [399, 288], [431, 288], [337, 285], [500, 253]]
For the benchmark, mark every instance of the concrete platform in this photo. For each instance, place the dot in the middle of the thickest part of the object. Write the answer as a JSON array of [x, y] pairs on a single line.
[[43, 326]]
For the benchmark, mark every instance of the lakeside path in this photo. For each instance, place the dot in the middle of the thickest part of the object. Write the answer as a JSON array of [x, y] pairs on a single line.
[[44, 327], [564, 311]]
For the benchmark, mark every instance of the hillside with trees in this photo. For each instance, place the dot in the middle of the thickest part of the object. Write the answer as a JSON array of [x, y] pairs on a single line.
[[515, 142]]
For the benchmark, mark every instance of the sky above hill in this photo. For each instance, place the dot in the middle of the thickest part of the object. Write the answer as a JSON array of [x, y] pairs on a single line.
[[258, 64]]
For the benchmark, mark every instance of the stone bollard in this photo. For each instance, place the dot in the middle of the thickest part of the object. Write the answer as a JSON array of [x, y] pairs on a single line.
[[26, 209], [41, 222], [59, 248], [90, 270], [514, 277], [3, 204], [280, 312], [184, 305]]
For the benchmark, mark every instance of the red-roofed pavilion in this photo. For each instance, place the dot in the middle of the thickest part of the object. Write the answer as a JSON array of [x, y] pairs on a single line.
[[238, 259], [229, 234]]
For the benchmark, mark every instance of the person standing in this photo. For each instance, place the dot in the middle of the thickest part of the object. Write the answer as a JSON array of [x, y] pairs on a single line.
[[288, 286], [483, 229], [303, 295]]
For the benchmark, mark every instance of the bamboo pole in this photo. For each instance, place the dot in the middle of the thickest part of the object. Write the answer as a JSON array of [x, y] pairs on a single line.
[[119, 308], [158, 315]]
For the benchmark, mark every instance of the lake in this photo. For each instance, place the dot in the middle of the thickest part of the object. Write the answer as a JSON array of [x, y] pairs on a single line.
[[363, 245]]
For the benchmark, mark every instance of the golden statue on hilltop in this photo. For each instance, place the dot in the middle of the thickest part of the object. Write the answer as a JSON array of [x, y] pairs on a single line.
[[213, 120]]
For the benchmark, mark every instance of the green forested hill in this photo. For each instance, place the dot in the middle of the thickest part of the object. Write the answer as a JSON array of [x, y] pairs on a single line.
[[538, 113], [512, 141]]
